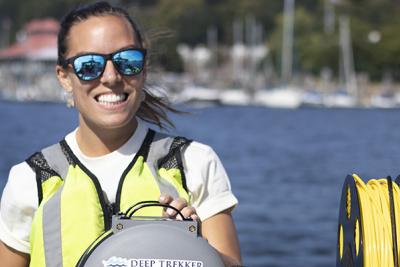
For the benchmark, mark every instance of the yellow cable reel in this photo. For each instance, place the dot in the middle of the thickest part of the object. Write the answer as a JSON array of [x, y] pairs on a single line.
[[368, 225]]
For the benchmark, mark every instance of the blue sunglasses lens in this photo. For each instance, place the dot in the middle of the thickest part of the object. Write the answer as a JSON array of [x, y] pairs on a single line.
[[129, 62], [89, 67]]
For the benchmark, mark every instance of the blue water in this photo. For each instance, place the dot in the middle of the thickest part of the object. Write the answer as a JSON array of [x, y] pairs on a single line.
[[287, 167]]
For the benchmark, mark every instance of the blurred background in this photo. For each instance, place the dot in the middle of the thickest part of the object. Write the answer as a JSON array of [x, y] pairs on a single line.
[[292, 95]]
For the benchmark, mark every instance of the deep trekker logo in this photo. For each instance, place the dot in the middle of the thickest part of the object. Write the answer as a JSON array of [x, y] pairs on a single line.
[[123, 262], [116, 262]]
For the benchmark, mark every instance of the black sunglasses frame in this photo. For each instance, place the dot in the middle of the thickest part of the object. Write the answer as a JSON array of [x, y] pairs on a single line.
[[106, 57]]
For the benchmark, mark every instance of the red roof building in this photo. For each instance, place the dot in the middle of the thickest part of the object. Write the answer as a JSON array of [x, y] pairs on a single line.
[[37, 41]]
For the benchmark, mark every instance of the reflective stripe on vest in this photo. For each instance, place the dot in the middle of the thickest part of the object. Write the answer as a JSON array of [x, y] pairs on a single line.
[[73, 211]]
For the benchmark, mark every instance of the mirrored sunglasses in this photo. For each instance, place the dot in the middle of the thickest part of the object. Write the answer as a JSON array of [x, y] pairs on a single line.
[[90, 66]]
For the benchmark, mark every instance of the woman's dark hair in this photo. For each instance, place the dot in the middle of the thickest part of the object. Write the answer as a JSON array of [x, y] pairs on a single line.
[[153, 109]]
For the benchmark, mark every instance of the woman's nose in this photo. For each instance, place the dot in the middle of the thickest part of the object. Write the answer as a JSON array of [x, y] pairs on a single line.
[[110, 74]]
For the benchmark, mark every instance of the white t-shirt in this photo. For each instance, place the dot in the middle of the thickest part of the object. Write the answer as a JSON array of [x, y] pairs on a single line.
[[206, 178]]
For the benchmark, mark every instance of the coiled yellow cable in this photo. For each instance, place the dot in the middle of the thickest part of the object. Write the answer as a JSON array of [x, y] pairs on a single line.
[[376, 222]]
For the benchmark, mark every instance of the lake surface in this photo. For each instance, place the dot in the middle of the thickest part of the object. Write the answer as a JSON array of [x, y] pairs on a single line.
[[287, 167]]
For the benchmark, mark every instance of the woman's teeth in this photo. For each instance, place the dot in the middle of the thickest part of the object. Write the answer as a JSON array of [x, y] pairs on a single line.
[[111, 98]]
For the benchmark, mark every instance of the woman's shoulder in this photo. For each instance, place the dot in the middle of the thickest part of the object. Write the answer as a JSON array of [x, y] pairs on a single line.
[[193, 146], [198, 147], [21, 169], [201, 155], [194, 152], [27, 167], [21, 175], [21, 181]]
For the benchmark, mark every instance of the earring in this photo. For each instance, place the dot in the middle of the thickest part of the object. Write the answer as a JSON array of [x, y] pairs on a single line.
[[69, 100]]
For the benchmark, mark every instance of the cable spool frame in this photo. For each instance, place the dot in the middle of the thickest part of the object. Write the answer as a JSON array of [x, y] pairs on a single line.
[[349, 250]]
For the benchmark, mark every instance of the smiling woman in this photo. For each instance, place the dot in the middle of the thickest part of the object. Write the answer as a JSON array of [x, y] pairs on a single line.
[[107, 98], [113, 159]]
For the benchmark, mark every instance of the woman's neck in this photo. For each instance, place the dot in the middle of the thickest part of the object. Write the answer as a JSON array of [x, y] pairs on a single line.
[[95, 142]]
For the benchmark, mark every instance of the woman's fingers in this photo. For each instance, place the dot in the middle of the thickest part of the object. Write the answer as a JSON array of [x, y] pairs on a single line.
[[165, 198], [179, 204], [189, 212]]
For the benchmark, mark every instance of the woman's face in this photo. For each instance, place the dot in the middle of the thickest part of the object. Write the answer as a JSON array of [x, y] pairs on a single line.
[[112, 100]]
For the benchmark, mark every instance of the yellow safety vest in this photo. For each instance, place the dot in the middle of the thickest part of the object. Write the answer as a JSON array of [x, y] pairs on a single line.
[[73, 211]]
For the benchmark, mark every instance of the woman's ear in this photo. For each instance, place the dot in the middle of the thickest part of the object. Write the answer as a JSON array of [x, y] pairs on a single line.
[[64, 78]]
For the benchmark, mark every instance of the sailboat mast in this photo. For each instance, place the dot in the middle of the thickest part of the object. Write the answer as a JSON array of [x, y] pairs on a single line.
[[287, 42], [347, 60]]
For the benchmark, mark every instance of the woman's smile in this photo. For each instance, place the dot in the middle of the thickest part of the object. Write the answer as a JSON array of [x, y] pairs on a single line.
[[110, 100]]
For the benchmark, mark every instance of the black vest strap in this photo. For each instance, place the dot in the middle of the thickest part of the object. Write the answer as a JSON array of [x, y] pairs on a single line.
[[38, 164], [144, 149]]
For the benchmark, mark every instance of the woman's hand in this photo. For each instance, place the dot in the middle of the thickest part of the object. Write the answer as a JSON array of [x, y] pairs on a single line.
[[180, 204]]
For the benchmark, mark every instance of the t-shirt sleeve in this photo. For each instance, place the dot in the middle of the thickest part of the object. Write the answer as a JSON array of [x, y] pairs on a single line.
[[17, 207], [207, 181]]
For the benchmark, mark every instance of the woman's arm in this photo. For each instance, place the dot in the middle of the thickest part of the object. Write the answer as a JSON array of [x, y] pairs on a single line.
[[10, 257], [219, 229], [220, 232]]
